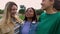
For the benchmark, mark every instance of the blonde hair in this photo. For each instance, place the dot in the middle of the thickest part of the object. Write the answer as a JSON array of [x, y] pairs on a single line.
[[7, 14]]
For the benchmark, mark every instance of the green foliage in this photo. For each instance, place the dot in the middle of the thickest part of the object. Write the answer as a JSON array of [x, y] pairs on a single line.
[[22, 6], [22, 9], [0, 17], [21, 17], [1, 11], [39, 11]]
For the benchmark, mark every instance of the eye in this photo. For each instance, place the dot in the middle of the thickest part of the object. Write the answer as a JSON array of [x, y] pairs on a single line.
[[13, 9], [43, 0]]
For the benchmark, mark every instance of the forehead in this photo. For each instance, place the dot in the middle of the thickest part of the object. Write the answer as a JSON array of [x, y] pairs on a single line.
[[29, 9], [14, 6]]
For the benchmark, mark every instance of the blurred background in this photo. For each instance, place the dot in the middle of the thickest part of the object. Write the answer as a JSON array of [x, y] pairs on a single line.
[[22, 6]]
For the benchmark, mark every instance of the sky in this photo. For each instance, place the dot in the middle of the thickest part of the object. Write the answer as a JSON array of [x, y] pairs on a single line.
[[27, 3]]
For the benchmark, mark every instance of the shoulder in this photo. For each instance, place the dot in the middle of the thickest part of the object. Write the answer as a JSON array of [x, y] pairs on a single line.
[[22, 22], [58, 15], [34, 23], [43, 13]]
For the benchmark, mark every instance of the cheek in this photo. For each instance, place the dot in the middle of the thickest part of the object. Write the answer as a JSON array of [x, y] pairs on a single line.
[[13, 12], [26, 14], [48, 3], [31, 14], [45, 5]]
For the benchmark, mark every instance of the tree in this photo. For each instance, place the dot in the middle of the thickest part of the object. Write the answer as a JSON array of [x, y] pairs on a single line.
[[1, 11], [39, 11], [22, 9]]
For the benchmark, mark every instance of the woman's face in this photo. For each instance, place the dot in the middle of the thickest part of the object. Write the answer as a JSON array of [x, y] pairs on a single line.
[[29, 13], [13, 10]]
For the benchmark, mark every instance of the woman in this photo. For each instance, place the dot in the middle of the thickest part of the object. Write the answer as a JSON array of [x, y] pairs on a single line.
[[30, 22], [10, 23]]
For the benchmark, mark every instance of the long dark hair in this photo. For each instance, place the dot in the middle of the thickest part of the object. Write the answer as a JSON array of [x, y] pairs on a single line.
[[57, 5], [34, 18]]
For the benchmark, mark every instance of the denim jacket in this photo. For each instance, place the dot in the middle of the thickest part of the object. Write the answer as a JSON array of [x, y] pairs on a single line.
[[32, 30]]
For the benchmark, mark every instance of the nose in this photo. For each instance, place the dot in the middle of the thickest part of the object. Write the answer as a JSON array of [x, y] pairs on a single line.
[[42, 3], [15, 10]]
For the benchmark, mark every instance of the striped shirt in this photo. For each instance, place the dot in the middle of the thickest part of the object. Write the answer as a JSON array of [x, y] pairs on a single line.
[[16, 27]]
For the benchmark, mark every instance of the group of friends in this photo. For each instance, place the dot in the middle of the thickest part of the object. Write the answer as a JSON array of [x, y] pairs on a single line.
[[47, 23]]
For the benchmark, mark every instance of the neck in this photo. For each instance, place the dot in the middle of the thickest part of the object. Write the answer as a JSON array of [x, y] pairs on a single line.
[[50, 11], [29, 19]]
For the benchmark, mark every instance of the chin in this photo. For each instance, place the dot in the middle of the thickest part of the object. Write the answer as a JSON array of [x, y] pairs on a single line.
[[42, 8]]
